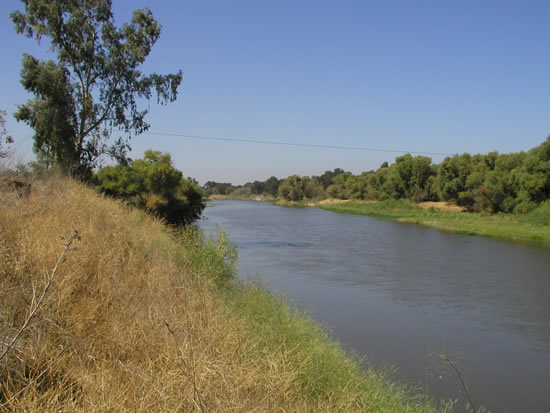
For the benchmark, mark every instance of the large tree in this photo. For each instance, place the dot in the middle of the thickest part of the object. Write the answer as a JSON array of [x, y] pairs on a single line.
[[91, 92]]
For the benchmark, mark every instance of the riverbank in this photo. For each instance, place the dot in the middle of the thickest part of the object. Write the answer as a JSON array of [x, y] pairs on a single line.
[[533, 227], [108, 309]]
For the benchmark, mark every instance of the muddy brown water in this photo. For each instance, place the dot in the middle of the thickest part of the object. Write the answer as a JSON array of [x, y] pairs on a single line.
[[401, 294]]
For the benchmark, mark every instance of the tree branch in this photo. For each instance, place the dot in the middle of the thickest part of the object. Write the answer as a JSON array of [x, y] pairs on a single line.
[[444, 357], [105, 113], [36, 305]]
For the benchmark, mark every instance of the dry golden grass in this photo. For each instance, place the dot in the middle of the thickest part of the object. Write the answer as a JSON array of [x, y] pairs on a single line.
[[101, 341], [442, 206]]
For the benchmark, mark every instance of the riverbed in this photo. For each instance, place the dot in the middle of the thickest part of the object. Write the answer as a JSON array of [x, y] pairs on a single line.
[[401, 295]]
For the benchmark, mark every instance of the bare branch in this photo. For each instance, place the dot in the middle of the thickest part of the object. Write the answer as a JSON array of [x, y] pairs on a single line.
[[105, 113], [444, 357], [35, 304]]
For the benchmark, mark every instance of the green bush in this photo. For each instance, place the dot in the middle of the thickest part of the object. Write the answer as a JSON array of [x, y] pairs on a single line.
[[540, 215], [152, 183]]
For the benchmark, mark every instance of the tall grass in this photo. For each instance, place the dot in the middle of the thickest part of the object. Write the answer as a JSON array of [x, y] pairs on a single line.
[[140, 317]]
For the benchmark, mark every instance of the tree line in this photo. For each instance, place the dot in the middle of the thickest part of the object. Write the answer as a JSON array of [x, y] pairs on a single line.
[[514, 182]]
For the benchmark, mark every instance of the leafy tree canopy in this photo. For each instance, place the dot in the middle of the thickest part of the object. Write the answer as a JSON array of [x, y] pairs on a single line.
[[291, 188], [94, 86], [152, 183]]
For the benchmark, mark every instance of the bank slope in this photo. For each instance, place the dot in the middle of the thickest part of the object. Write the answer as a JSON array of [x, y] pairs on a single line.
[[107, 309]]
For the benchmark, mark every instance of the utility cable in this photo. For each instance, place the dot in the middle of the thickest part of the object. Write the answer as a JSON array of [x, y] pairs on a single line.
[[306, 145]]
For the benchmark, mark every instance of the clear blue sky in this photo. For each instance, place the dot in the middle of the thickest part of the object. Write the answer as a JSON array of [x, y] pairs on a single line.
[[435, 76]]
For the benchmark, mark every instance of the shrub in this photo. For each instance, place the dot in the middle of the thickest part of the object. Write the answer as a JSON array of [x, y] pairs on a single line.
[[540, 215], [154, 184]]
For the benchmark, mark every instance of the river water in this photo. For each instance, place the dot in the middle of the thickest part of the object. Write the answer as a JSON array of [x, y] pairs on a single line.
[[401, 294]]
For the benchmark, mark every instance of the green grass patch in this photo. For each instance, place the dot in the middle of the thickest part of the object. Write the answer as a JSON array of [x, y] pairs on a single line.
[[387, 209], [534, 226]]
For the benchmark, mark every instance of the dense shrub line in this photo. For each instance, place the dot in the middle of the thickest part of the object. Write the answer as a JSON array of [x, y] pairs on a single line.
[[515, 182]]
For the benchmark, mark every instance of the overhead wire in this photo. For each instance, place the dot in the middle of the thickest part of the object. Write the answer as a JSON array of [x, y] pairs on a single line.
[[282, 143], [306, 145], [20, 142]]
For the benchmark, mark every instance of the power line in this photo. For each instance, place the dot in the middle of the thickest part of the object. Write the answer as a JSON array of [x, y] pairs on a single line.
[[19, 142], [306, 145]]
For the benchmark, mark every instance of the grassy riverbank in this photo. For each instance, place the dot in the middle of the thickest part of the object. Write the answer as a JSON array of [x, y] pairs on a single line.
[[104, 308], [530, 227]]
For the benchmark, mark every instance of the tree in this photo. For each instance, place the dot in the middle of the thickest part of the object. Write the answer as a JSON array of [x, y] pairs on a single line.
[[453, 173], [154, 184], [340, 187], [272, 186], [533, 177], [4, 136], [328, 176], [414, 173], [313, 188], [257, 187], [94, 86], [217, 188], [291, 188]]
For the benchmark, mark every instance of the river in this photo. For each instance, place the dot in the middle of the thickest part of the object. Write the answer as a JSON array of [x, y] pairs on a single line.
[[401, 294]]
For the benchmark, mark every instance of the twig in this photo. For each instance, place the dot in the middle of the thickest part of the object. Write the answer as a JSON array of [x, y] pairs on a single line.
[[190, 376], [444, 357], [35, 305]]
